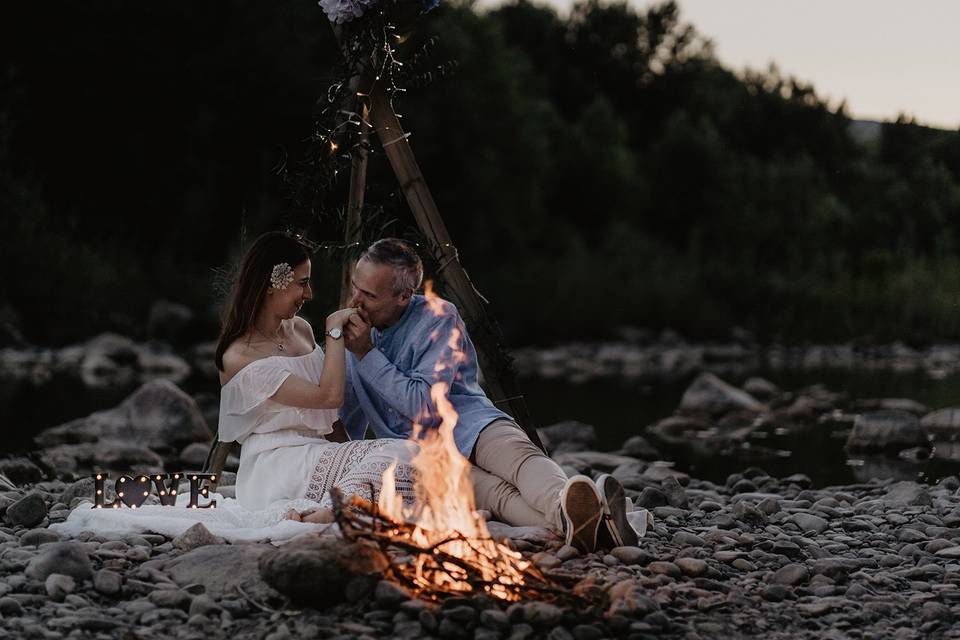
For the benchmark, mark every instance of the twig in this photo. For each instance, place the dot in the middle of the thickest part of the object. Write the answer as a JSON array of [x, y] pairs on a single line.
[[258, 605], [360, 520]]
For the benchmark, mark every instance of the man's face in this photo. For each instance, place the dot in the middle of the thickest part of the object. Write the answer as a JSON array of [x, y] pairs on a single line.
[[374, 294]]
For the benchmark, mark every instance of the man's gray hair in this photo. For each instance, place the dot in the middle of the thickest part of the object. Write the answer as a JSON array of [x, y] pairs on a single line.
[[399, 254]]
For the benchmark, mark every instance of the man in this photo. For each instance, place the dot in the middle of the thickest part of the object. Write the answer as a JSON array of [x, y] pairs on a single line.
[[400, 345]]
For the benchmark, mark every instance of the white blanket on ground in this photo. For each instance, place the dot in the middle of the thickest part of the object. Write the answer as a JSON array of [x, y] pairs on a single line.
[[234, 523], [228, 520]]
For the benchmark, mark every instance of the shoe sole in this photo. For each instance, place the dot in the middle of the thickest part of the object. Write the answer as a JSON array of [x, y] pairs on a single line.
[[614, 502], [582, 506]]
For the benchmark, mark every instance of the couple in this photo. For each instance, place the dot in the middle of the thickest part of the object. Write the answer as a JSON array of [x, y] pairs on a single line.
[[281, 394]]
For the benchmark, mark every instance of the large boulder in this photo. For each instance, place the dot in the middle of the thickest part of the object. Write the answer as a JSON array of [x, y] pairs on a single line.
[[889, 430], [638, 447], [114, 361], [67, 558], [21, 471], [221, 569], [110, 453], [710, 395], [109, 360], [316, 569], [157, 415], [595, 460], [202, 359], [943, 424], [907, 494], [761, 388], [582, 436], [106, 362], [28, 511], [678, 429], [891, 404], [167, 321]]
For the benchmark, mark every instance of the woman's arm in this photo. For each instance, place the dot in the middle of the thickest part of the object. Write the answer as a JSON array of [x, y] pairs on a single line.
[[328, 392]]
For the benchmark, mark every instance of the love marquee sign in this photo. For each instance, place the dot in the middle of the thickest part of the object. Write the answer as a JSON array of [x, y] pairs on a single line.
[[133, 491]]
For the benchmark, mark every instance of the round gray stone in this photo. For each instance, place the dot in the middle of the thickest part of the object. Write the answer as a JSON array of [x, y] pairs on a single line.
[[68, 558], [28, 511]]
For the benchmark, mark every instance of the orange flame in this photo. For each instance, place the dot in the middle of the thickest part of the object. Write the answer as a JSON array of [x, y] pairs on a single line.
[[444, 505], [445, 500], [434, 302]]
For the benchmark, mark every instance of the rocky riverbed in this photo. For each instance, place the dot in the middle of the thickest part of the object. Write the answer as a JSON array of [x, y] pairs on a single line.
[[759, 553], [756, 555]]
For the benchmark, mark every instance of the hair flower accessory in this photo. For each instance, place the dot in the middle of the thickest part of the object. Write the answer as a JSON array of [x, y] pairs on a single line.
[[281, 276]]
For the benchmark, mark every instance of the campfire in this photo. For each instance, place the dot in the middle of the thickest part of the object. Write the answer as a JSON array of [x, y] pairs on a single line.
[[440, 546]]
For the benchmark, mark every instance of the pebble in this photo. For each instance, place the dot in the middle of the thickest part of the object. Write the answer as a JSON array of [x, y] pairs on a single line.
[[675, 494], [809, 522], [687, 539], [692, 566], [171, 599], [494, 619], [587, 632], [567, 552], [775, 593], [10, 607], [790, 575], [541, 614], [58, 586], [390, 594], [36, 537], [196, 536], [664, 568], [203, 605], [631, 555]]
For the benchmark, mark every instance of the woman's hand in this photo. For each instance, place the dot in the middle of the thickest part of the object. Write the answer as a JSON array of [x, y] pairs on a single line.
[[339, 319]]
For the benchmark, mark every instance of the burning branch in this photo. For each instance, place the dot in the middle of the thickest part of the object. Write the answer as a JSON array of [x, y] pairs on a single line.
[[437, 570]]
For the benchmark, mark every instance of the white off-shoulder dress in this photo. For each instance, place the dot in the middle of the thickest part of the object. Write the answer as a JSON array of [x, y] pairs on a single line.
[[284, 454]]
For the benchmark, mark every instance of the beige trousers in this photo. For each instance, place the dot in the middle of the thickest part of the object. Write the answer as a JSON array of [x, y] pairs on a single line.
[[513, 479]]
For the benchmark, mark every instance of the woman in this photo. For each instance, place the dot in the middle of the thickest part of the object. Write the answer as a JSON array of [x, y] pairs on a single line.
[[280, 391]]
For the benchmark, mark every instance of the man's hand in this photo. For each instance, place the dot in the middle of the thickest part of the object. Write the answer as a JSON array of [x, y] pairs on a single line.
[[357, 336]]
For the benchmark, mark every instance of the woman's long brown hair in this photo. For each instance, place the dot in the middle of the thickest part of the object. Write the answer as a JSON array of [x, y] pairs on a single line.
[[248, 294]]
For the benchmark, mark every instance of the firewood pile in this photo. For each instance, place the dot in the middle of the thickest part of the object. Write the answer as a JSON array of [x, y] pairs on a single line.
[[452, 564]]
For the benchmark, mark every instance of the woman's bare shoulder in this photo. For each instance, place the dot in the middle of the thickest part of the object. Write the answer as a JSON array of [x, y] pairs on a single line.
[[236, 357]]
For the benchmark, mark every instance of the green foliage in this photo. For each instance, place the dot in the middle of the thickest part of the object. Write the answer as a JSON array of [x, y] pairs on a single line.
[[596, 170]]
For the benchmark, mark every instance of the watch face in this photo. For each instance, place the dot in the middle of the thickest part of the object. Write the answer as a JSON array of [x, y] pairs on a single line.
[[335, 333]]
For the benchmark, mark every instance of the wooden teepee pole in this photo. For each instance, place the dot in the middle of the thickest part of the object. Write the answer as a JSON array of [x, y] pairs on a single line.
[[500, 384], [358, 183]]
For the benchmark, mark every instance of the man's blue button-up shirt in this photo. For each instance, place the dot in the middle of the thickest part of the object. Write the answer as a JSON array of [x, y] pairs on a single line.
[[390, 387]]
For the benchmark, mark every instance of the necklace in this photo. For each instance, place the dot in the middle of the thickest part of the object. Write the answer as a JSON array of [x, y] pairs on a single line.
[[279, 343]]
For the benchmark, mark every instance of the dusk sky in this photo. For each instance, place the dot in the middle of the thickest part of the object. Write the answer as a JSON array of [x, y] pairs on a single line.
[[883, 56]]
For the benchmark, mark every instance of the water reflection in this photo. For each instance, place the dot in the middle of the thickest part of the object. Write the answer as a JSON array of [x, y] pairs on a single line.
[[621, 408]]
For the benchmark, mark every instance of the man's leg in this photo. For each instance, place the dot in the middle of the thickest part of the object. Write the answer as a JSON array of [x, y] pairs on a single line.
[[503, 501], [505, 451]]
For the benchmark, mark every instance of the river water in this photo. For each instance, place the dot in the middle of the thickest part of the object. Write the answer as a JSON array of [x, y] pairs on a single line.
[[620, 408]]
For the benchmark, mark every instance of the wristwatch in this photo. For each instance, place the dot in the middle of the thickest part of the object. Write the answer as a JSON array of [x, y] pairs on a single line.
[[336, 333]]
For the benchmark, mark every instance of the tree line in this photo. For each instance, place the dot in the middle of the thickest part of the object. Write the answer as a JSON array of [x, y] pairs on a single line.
[[597, 170]]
